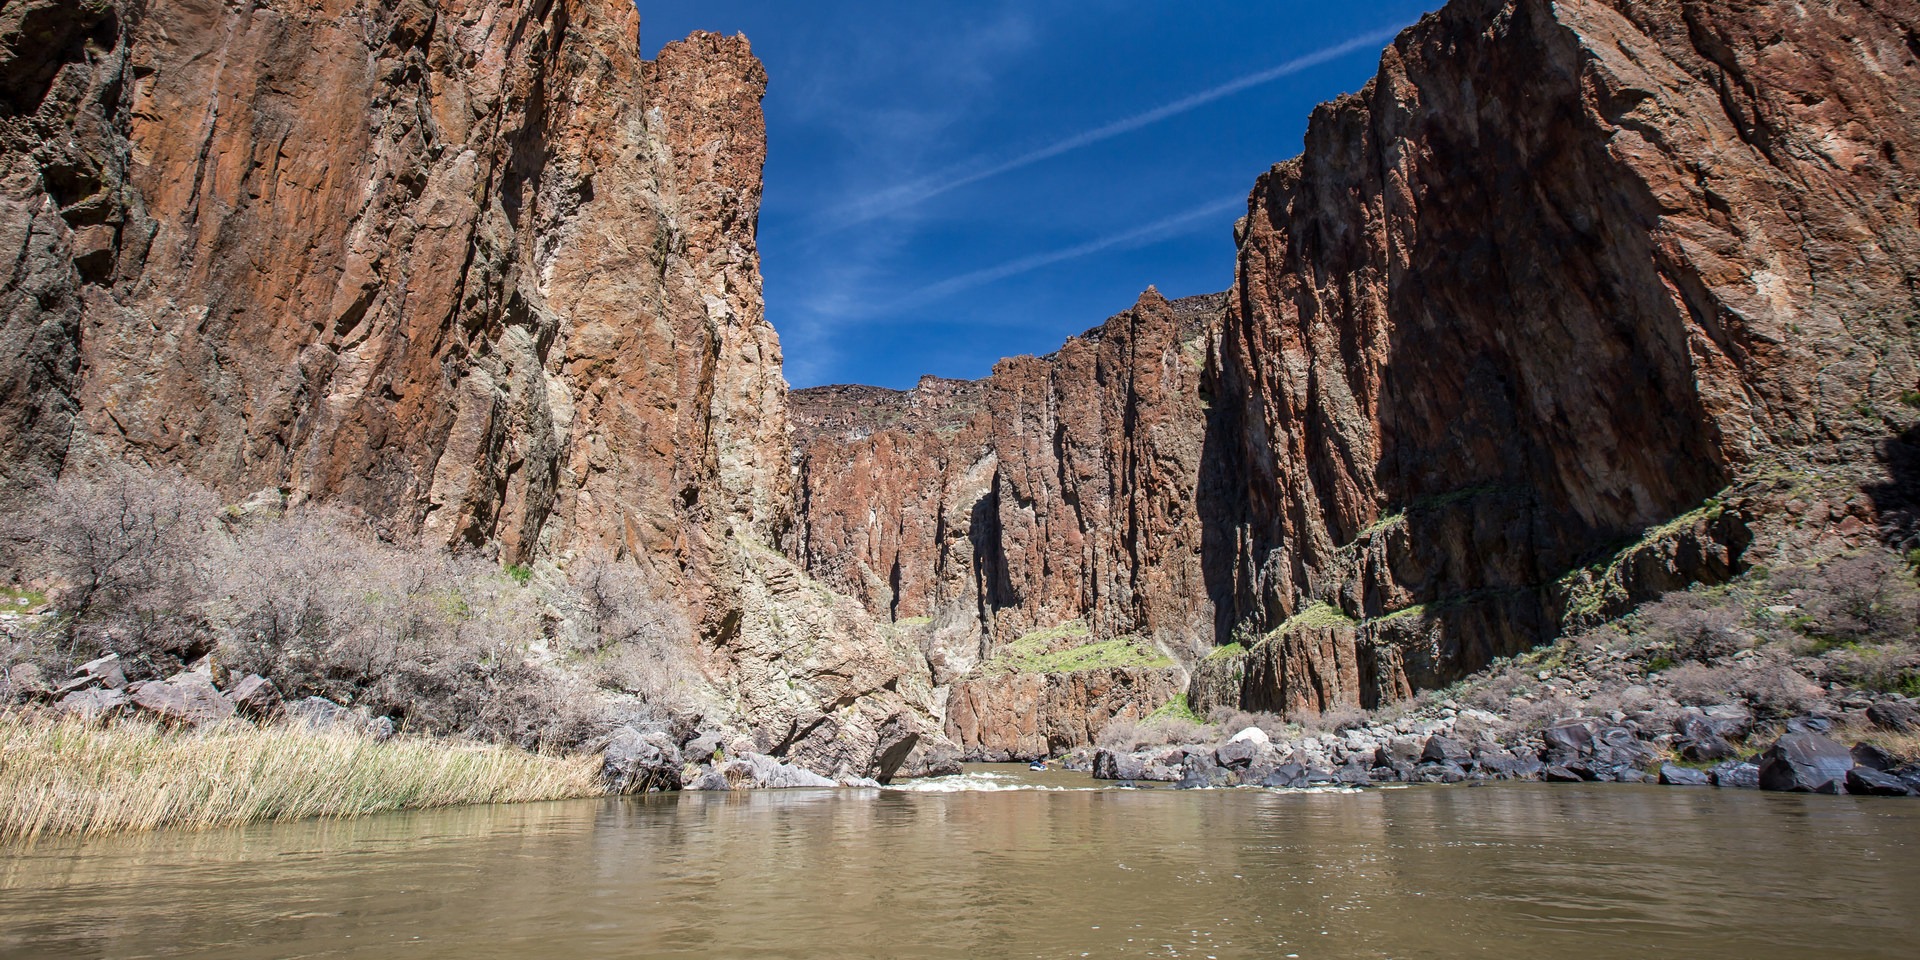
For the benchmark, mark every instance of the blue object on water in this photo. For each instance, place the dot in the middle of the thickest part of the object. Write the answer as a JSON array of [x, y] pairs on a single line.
[[1037, 765]]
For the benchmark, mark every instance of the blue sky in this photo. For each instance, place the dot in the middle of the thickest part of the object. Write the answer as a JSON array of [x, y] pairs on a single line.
[[950, 184]]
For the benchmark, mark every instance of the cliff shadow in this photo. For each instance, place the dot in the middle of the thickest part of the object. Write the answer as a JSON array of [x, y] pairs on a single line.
[[1220, 501], [1897, 500]]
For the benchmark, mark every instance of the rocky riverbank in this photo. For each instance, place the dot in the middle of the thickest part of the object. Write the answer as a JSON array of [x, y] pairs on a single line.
[[1801, 677]]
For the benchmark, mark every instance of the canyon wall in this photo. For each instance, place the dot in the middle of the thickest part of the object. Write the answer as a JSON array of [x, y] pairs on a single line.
[[472, 270], [1058, 492], [1558, 276], [1060, 488], [1568, 307]]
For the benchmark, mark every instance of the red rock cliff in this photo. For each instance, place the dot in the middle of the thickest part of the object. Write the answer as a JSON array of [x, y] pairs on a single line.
[[1059, 488], [1558, 275], [472, 269]]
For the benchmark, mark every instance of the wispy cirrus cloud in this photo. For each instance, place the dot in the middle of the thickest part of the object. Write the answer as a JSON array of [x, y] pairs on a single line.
[[1137, 237], [903, 196]]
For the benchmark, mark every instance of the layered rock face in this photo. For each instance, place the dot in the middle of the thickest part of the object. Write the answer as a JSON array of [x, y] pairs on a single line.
[[1557, 276], [1059, 489], [474, 270]]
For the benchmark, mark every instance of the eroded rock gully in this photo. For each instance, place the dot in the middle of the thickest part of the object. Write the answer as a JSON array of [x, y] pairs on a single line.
[[475, 271]]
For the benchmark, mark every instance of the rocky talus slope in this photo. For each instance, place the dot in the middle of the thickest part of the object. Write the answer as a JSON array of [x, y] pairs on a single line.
[[1058, 491], [475, 271]]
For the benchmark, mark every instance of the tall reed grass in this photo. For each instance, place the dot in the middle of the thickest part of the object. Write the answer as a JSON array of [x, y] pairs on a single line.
[[73, 777]]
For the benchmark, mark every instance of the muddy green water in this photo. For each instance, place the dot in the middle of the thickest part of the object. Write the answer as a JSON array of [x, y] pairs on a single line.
[[987, 866]]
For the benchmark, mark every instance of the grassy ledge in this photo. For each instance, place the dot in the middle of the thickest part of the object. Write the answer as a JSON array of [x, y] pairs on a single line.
[[1047, 651], [73, 777]]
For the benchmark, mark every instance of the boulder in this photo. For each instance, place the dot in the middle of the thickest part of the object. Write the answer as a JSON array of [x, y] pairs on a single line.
[[1199, 772], [1239, 754], [894, 743], [930, 758], [1875, 783], [1898, 717], [1562, 774], [92, 704], [1730, 720], [636, 762], [1736, 775], [187, 698], [1873, 758], [711, 780], [770, 774], [379, 729], [1286, 776], [1677, 776], [1400, 750], [107, 671], [1572, 738], [1707, 750], [1253, 735], [1109, 765], [705, 748], [26, 680], [1445, 750], [318, 713], [1622, 747], [1820, 726], [1805, 763], [255, 697], [1695, 726]]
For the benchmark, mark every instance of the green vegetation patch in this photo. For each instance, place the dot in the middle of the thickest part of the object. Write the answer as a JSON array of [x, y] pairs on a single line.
[[1227, 652], [1176, 709], [1053, 651], [1417, 610], [21, 601], [519, 573], [1320, 615], [1590, 589], [914, 621]]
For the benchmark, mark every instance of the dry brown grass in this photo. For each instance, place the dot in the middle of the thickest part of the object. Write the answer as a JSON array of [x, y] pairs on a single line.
[[72, 777]]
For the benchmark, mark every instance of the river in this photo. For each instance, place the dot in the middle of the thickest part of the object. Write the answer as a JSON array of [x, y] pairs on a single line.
[[1001, 863]]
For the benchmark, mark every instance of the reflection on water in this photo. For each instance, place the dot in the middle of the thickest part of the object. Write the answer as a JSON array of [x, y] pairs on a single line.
[[1006, 871]]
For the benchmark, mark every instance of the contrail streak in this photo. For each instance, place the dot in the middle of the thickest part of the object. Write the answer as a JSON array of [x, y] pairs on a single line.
[[919, 191], [1139, 235]]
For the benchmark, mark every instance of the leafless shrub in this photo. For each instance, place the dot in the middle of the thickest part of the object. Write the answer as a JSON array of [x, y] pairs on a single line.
[[1538, 714], [439, 641], [1695, 625], [128, 548], [1128, 735], [1881, 669], [638, 641], [1778, 691], [1231, 721], [1865, 598], [1337, 720], [1697, 684], [445, 644]]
